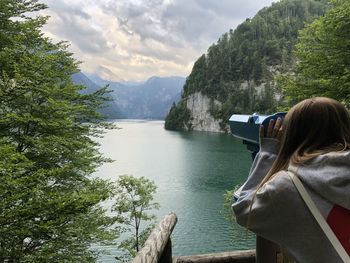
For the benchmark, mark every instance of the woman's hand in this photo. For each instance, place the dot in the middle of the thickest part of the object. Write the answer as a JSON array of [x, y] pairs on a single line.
[[274, 130]]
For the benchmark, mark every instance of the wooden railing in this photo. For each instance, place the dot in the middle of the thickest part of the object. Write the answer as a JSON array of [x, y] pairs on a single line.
[[157, 249]]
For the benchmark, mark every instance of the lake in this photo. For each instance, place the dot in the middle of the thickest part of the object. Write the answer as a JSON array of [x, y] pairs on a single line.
[[192, 171]]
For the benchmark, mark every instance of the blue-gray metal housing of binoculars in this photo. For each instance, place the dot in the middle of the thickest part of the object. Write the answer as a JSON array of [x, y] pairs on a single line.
[[246, 127]]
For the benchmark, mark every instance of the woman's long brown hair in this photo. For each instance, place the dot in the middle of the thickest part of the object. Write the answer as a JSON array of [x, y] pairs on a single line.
[[312, 127]]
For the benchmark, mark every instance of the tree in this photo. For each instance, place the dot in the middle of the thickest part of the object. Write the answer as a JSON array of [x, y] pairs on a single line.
[[266, 102], [177, 117], [324, 58], [49, 202], [133, 200], [197, 79]]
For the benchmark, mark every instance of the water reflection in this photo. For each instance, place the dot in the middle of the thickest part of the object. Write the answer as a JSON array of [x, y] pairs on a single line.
[[192, 172]]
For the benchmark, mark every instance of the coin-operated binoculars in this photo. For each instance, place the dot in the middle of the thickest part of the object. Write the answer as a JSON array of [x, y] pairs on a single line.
[[246, 128]]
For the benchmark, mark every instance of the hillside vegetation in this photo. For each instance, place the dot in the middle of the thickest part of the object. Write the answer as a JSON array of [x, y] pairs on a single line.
[[323, 54], [239, 69]]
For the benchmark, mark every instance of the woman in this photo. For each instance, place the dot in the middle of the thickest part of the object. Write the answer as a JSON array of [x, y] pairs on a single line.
[[315, 146]]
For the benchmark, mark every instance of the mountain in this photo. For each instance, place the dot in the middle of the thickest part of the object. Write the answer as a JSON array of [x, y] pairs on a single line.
[[237, 74], [149, 100], [81, 79], [110, 109], [100, 81]]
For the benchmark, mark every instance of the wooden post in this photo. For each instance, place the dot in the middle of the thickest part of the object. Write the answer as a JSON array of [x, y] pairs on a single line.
[[266, 251], [157, 248], [167, 255]]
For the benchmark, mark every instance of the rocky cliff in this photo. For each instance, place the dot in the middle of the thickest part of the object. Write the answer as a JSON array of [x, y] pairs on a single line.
[[201, 118]]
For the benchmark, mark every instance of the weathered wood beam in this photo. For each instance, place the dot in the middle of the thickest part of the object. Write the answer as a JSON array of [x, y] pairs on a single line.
[[243, 256], [157, 248]]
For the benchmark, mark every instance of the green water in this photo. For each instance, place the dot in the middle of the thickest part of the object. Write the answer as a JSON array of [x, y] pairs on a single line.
[[192, 172]]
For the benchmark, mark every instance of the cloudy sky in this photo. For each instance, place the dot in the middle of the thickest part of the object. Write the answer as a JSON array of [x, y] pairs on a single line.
[[132, 40]]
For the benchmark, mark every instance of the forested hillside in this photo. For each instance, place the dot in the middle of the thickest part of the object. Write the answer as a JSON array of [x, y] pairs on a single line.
[[236, 75]]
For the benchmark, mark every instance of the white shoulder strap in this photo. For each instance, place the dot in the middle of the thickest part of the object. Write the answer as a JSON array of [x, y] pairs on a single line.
[[319, 218]]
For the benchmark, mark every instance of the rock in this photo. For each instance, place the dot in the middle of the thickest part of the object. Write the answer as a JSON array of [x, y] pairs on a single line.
[[201, 118]]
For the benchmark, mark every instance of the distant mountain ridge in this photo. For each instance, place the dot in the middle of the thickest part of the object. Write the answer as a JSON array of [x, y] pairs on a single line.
[[111, 109], [149, 100]]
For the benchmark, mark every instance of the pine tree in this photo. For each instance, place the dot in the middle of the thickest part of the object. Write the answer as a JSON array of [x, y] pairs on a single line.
[[49, 202]]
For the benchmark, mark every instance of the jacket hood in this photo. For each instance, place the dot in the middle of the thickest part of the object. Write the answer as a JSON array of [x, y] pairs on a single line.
[[328, 175]]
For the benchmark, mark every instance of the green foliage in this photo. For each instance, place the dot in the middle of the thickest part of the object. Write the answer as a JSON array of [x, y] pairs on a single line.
[[49, 203], [128, 245], [198, 80], [178, 117], [324, 58], [245, 53], [267, 103], [230, 217], [133, 200], [247, 57], [227, 206]]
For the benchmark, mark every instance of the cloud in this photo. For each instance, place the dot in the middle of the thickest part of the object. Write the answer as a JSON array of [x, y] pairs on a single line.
[[71, 22], [135, 39], [105, 73]]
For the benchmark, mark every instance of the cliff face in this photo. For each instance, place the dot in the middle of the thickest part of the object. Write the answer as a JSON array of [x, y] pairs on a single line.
[[201, 118], [202, 108]]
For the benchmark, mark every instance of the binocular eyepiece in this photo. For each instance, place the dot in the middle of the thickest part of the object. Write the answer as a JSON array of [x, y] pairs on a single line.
[[246, 127]]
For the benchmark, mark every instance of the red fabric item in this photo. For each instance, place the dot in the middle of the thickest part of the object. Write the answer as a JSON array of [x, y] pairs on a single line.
[[339, 221]]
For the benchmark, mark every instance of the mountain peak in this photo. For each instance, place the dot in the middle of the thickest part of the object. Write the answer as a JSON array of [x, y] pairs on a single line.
[[148, 100]]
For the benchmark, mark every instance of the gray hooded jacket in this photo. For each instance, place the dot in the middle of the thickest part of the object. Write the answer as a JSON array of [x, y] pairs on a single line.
[[279, 213]]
